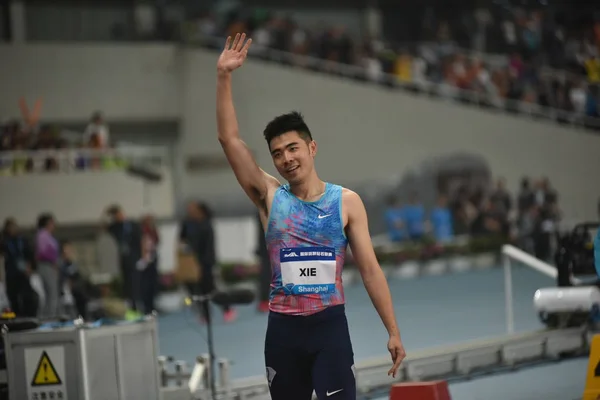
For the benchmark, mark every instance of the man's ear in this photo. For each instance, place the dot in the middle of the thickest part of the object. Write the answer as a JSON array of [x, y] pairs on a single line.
[[313, 148]]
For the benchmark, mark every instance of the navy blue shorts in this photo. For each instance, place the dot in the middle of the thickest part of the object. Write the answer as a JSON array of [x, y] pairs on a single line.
[[309, 353]]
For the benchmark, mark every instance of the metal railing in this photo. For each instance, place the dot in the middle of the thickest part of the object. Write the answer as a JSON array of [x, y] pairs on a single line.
[[79, 160], [497, 59], [432, 89]]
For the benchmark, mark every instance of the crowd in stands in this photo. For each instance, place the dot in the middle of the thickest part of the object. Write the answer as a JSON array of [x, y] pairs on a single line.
[[19, 138], [528, 219], [526, 61]]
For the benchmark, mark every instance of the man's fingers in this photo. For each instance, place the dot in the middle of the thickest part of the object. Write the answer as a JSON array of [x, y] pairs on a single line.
[[246, 46], [397, 362], [227, 43], [392, 371], [397, 357], [240, 43], [235, 41], [396, 366]]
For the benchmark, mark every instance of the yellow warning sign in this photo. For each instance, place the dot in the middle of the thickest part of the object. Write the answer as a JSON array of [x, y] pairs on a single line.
[[45, 373]]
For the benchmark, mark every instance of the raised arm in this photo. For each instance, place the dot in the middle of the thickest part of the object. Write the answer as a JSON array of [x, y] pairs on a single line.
[[255, 182]]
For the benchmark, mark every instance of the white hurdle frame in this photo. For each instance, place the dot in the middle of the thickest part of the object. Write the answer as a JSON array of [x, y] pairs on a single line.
[[509, 253]]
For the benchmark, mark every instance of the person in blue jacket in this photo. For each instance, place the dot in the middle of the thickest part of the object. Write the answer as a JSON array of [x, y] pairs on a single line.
[[597, 252], [597, 246]]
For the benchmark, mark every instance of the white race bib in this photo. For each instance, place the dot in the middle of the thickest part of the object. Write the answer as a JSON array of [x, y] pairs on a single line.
[[308, 270]]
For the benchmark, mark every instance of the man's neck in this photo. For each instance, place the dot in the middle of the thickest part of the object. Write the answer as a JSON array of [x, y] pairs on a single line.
[[313, 187]]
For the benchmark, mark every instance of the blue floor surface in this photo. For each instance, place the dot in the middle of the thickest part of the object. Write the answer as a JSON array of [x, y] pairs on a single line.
[[431, 311]]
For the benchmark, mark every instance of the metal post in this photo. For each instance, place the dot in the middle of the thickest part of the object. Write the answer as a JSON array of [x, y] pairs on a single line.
[[508, 296], [162, 368], [180, 372], [207, 378], [224, 377]]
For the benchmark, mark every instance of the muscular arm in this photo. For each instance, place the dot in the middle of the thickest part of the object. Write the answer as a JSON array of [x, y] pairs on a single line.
[[253, 180], [362, 251]]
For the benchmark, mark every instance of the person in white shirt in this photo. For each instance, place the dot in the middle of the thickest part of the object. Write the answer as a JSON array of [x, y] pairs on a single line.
[[578, 98], [97, 127]]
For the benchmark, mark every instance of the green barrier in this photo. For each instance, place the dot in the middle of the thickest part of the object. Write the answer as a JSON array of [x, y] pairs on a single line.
[[113, 163]]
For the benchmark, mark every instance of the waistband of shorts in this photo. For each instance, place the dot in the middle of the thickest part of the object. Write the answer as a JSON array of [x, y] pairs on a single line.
[[326, 314]]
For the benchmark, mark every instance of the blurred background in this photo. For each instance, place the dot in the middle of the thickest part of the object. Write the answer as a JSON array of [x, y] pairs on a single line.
[[463, 125]]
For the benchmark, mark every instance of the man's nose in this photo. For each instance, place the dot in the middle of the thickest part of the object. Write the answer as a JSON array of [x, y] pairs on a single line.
[[287, 158]]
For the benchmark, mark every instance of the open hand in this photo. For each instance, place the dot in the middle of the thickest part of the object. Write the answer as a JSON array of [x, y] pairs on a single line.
[[234, 54], [397, 352]]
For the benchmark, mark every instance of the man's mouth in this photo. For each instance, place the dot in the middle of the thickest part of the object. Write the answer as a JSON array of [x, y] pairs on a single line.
[[292, 169]]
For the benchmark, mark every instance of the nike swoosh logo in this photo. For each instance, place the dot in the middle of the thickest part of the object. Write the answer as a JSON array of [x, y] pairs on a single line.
[[334, 392], [324, 216]]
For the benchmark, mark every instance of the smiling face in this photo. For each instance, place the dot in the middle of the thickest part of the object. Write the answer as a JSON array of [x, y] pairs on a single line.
[[293, 156]]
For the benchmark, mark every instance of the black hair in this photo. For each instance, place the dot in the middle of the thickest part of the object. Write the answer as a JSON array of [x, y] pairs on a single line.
[[63, 244], [113, 210], [44, 220], [292, 121], [205, 209], [11, 221]]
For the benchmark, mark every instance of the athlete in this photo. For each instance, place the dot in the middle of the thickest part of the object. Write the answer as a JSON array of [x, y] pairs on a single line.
[[308, 224]]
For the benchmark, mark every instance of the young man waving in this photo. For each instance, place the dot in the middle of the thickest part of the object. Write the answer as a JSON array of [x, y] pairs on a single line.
[[308, 224]]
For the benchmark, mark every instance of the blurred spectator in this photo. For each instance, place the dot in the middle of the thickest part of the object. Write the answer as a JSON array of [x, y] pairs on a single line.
[[441, 220], [525, 199], [47, 252], [527, 225], [413, 214], [597, 246], [463, 211], [96, 133], [544, 194], [394, 219], [489, 221], [501, 198], [95, 137], [128, 235], [71, 280], [542, 234], [578, 97], [18, 266], [148, 264], [198, 233]]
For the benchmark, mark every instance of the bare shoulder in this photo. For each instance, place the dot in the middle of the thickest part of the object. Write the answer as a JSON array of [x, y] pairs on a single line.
[[351, 199], [353, 209]]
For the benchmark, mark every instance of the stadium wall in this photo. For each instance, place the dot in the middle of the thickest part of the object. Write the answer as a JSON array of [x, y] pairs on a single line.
[[80, 198], [365, 134]]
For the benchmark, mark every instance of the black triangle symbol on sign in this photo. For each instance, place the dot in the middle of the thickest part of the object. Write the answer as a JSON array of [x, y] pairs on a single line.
[[45, 373]]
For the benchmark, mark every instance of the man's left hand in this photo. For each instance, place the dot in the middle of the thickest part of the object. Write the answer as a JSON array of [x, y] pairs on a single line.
[[397, 352]]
